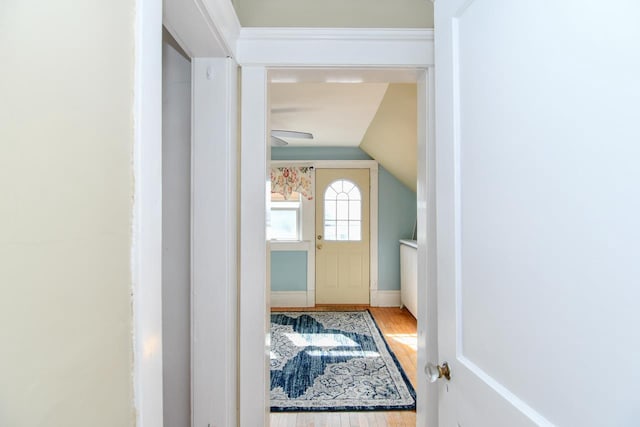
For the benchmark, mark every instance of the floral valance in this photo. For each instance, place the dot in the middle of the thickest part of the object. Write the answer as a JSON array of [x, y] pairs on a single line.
[[286, 180]]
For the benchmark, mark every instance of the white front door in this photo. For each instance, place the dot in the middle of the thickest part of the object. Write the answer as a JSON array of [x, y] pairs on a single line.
[[342, 236], [538, 212]]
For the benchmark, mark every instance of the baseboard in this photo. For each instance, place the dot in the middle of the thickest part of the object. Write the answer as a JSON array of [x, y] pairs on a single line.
[[306, 299], [385, 298], [311, 298], [289, 299]]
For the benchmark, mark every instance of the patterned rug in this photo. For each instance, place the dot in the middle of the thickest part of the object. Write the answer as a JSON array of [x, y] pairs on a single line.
[[334, 361]]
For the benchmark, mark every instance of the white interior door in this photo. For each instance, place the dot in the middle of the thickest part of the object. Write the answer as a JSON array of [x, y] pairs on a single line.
[[342, 236], [538, 208]]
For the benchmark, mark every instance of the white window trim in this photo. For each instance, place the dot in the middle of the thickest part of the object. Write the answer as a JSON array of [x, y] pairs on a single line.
[[299, 221]]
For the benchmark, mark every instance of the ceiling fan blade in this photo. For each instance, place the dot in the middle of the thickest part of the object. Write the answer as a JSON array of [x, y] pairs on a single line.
[[278, 141], [291, 134], [286, 110]]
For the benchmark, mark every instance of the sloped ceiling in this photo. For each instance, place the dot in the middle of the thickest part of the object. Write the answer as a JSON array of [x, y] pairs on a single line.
[[337, 114], [380, 118], [392, 137]]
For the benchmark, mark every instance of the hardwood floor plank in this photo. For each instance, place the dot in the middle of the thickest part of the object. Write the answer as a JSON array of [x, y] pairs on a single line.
[[276, 420], [381, 419], [306, 419], [366, 420], [345, 420]]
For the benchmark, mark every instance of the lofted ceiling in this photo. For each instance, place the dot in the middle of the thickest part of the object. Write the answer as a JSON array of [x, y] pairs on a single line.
[[379, 118], [337, 114]]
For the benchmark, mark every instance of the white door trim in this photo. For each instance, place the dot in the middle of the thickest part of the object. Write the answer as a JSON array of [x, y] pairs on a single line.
[[387, 48], [208, 32], [254, 281], [427, 405], [372, 165], [375, 53], [203, 29], [146, 239], [331, 47], [214, 241]]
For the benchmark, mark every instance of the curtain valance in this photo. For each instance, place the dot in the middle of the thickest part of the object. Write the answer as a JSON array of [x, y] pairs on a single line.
[[286, 180]]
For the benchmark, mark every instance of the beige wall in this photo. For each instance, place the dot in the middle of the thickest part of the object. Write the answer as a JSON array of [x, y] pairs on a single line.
[[392, 137], [66, 137], [335, 13]]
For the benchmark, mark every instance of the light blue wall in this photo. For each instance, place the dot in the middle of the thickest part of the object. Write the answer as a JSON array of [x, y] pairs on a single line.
[[288, 270], [396, 218], [327, 153], [396, 214]]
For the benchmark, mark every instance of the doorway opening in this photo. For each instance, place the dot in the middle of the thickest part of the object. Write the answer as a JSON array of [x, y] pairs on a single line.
[[317, 230]]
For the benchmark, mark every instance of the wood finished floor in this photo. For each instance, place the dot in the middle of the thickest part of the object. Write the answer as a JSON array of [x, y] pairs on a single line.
[[400, 330]]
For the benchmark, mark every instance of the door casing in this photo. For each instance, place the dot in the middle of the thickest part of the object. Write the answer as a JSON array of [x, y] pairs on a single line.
[[377, 53], [325, 51]]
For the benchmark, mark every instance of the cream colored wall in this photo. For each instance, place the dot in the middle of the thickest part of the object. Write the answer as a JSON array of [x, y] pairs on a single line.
[[66, 137], [392, 137], [335, 13]]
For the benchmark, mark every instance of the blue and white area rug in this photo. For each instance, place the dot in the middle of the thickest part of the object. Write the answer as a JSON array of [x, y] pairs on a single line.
[[334, 361]]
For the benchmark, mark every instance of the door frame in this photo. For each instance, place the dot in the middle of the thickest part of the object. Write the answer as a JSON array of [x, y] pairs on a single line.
[[261, 51], [374, 298], [213, 33], [146, 227], [197, 28]]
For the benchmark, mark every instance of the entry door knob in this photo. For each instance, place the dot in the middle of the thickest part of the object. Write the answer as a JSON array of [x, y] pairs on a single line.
[[434, 372]]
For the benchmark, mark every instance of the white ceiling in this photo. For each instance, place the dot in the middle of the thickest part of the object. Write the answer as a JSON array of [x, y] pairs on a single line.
[[344, 75], [337, 114]]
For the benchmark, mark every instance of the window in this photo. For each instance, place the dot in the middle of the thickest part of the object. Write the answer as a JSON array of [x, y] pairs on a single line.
[[342, 211], [285, 217]]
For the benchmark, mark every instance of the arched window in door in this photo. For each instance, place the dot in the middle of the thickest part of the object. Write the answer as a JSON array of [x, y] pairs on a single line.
[[342, 211]]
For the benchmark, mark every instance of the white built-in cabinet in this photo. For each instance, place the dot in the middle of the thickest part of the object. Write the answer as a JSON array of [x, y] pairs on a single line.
[[409, 275]]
